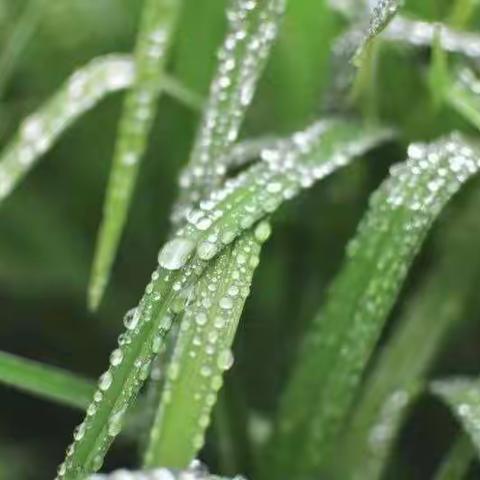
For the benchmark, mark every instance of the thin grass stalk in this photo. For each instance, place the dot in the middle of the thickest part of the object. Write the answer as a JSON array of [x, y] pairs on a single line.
[[342, 337], [154, 38], [457, 462], [46, 382], [23, 32]]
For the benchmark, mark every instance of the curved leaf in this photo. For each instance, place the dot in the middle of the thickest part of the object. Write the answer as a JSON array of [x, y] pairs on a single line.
[[438, 304], [306, 157], [342, 337]]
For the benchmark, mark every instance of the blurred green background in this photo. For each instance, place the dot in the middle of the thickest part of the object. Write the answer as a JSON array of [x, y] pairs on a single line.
[[48, 226]]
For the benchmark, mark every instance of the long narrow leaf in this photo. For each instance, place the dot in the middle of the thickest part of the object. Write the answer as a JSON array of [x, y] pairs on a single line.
[[253, 27], [203, 353], [342, 337], [154, 38], [85, 88], [437, 305], [457, 461], [44, 381], [81, 92], [256, 193], [462, 396]]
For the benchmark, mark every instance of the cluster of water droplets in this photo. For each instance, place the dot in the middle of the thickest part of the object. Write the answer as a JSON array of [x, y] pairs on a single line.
[[197, 471], [381, 15], [146, 327], [39, 131], [423, 34], [203, 351], [401, 213], [462, 395], [290, 166], [253, 27]]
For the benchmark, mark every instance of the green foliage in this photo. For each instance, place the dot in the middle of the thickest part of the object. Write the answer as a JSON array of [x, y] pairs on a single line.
[[361, 366]]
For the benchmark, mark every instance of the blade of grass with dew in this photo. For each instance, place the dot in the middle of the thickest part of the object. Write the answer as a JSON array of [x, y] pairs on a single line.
[[438, 304], [86, 87], [203, 353], [422, 34], [82, 91], [342, 337], [457, 462], [381, 15], [462, 397], [254, 194], [167, 439], [463, 95], [194, 473], [154, 38], [44, 381], [253, 28]]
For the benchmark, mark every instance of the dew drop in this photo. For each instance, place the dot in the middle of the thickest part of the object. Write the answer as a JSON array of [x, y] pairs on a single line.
[[174, 254]]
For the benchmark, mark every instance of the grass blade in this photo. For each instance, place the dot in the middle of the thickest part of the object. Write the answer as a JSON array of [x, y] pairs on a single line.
[[253, 195], [437, 305], [464, 96], [85, 88], [458, 460], [23, 31], [81, 92], [203, 353], [422, 34], [342, 337], [381, 15], [154, 38], [252, 30], [47, 382], [462, 397], [197, 472]]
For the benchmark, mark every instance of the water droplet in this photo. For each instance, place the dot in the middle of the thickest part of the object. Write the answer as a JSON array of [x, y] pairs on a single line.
[[105, 381], [174, 254]]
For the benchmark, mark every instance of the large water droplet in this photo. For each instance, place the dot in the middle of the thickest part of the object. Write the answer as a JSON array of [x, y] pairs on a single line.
[[174, 254]]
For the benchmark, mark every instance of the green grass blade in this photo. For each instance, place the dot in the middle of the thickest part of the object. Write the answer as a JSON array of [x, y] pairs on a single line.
[[23, 31], [422, 34], [342, 337], [456, 463], [462, 397], [81, 92], [437, 305], [44, 381], [252, 30], [86, 87], [203, 353], [463, 95], [154, 38], [438, 75], [381, 15], [306, 157]]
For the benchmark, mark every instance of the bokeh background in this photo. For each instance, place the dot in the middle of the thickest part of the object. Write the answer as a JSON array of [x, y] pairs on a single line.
[[48, 226]]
